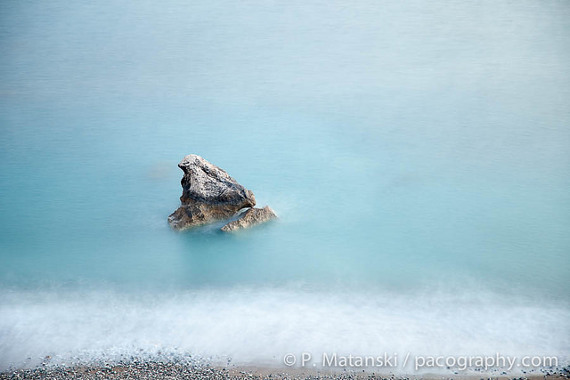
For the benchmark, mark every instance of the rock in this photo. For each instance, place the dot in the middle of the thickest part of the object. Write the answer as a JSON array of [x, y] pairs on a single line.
[[208, 194], [250, 218]]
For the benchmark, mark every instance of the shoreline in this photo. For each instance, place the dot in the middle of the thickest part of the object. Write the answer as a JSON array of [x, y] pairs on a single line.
[[178, 370]]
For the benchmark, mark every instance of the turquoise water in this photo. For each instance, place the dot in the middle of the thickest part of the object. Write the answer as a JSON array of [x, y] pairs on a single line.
[[417, 156]]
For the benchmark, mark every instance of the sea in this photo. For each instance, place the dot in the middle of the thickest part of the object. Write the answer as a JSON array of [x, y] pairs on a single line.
[[417, 154]]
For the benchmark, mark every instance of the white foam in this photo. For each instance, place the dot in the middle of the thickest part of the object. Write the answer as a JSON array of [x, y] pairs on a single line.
[[260, 326]]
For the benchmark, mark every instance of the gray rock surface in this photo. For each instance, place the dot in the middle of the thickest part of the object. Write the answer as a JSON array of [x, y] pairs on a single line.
[[208, 194], [250, 218]]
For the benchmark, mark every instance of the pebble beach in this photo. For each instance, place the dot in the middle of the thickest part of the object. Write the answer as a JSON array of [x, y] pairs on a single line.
[[160, 370]]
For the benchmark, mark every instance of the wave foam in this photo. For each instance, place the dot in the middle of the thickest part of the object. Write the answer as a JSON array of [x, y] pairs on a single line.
[[261, 326]]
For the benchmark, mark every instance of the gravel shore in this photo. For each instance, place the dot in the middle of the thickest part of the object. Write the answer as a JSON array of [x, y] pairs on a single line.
[[154, 370]]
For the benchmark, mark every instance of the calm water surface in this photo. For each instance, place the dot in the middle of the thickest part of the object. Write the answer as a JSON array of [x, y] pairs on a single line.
[[417, 155]]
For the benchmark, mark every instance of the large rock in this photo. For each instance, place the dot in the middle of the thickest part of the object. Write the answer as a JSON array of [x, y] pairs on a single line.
[[208, 194], [250, 218]]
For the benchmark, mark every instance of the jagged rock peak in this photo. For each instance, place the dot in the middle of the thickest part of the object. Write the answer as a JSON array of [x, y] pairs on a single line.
[[209, 194]]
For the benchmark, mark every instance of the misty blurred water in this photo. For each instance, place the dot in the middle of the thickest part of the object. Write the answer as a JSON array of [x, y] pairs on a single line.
[[412, 151]]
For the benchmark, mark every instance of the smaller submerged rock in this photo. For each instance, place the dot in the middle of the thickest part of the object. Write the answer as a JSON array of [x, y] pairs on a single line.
[[250, 218]]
